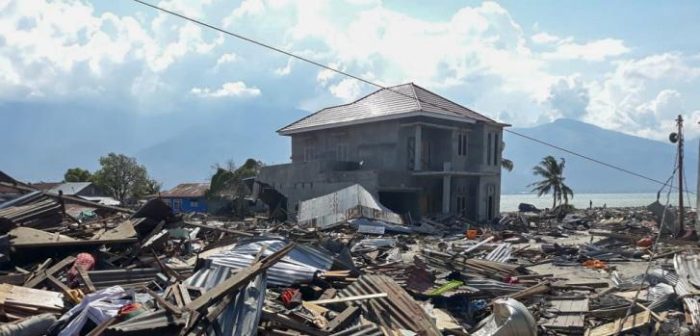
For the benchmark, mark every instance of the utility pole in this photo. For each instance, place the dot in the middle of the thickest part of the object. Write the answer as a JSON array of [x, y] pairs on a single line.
[[679, 121]]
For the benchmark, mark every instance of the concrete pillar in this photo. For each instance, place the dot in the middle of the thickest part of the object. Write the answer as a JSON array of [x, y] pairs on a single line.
[[418, 150], [446, 193]]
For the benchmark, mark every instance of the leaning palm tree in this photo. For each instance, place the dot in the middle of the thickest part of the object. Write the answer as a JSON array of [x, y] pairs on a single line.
[[552, 173]]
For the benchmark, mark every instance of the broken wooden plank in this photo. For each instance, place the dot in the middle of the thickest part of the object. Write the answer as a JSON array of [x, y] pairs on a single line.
[[39, 278], [343, 319], [163, 303], [290, 323], [85, 278], [609, 329]]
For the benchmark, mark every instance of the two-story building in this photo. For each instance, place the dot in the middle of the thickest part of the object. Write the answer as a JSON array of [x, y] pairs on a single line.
[[414, 150]]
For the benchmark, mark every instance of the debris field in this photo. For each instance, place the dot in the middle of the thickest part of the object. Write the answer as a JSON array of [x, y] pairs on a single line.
[[71, 267]]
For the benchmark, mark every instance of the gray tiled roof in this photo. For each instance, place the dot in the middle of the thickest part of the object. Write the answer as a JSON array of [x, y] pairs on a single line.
[[389, 102]]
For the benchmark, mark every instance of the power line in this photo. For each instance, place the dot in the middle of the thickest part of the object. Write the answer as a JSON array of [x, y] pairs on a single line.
[[321, 65], [588, 158]]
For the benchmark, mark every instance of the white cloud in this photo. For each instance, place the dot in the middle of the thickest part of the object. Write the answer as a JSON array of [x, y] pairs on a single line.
[[65, 49], [568, 98], [226, 59], [592, 51], [347, 89], [230, 89], [286, 70], [544, 38], [643, 96]]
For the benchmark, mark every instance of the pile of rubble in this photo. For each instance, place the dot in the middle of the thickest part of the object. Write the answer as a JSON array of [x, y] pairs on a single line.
[[345, 266]]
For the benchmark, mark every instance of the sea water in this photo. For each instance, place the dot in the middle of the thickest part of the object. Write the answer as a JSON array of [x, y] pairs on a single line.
[[510, 202]]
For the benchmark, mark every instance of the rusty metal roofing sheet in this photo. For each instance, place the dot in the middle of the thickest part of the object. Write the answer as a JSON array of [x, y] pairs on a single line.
[[396, 311], [390, 102]]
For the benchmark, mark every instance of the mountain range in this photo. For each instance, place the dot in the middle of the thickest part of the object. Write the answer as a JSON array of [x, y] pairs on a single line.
[[40, 144], [653, 159]]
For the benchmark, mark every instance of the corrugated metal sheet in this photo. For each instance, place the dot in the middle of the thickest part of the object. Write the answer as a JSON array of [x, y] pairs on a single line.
[[501, 253], [684, 289], [361, 330], [298, 266], [335, 208], [24, 199], [394, 101], [493, 287], [396, 311], [69, 188], [242, 316], [24, 213]]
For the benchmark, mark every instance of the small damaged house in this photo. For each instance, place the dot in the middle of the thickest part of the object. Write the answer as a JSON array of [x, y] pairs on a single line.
[[187, 197], [413, 150]]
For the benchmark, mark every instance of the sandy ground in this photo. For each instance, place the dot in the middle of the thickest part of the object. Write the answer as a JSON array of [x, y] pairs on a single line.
[[581, 274]]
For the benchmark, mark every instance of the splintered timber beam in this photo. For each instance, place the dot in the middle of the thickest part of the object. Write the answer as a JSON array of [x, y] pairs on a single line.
[[238, 280], [39, 278]]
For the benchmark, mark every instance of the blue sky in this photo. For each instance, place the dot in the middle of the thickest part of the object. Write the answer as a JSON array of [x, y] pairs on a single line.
[[79, 79]]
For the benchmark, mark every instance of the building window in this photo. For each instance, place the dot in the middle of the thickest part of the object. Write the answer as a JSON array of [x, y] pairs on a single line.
[[194, 203], [461, 204], [462, 144], [341, 152], [177, 204], [495, 149], [488, 149], [309, 153]]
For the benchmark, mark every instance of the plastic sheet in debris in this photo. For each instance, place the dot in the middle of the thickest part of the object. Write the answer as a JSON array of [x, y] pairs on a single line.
[[509, 318], [97, 307]]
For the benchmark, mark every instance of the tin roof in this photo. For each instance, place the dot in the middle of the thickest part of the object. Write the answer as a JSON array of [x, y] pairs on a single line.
[[69, 188], [399, 101], [187, 190]]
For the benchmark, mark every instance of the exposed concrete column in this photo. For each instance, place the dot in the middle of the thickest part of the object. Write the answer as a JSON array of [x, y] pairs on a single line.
[[418, 149], [446, 193]]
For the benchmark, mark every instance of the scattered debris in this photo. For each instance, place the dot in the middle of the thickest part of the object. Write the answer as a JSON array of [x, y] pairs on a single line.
[[346, 266]]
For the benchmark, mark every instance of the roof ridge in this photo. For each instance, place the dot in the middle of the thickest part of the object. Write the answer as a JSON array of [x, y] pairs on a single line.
[[415, 95], [460, 105], [329, 107]]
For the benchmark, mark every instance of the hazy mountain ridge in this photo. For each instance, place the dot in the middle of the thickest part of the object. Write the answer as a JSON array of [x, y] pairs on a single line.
[[644, 156]]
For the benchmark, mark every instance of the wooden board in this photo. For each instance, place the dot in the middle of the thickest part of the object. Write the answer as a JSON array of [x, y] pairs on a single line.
[[570, 314], [29, 297], [609, 329]]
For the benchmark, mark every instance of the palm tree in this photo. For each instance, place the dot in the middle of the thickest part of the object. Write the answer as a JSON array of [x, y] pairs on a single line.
[[552, 173]]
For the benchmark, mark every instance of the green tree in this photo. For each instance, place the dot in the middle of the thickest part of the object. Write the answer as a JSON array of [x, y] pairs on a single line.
[[123, 178], [77, 175], [552, 174], [228, 182], [507, 164]]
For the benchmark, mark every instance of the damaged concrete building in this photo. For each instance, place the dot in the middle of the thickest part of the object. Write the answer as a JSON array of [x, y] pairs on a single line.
[[413, 150]]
